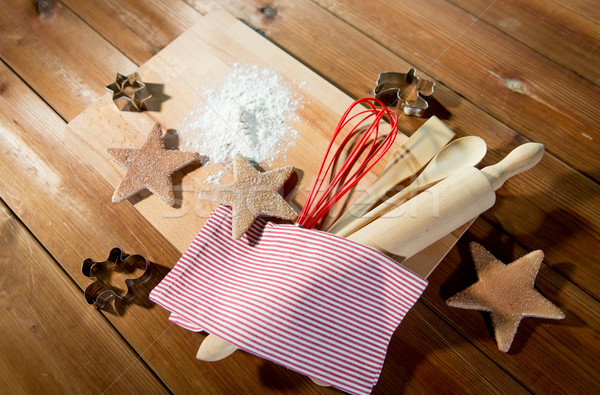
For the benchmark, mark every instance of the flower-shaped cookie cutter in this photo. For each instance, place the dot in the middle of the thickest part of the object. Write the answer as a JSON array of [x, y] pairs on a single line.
[[128, 92], [101, 292], [405, 91]]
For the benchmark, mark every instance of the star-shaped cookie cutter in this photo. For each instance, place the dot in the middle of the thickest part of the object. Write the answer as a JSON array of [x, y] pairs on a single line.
[[405, 91], [129, 93], [104, 295]]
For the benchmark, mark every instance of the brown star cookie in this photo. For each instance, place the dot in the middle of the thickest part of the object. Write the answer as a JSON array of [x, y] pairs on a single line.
[[506, 292], [149, 167], [252, 194]]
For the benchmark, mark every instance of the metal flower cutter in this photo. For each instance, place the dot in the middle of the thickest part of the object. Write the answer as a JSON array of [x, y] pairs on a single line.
[[102, 293], [405, 91]]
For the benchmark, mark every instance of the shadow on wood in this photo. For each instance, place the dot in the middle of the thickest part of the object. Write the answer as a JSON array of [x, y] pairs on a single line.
[[158, 97]]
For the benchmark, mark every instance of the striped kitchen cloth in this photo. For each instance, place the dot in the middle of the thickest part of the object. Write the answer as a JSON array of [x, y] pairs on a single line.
[[313, 302]]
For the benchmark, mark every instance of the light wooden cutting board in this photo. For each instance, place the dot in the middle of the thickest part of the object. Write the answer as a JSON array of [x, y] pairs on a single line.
[[205, 54]]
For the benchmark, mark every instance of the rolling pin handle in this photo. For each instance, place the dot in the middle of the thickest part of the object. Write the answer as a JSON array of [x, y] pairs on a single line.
[[522, 158]]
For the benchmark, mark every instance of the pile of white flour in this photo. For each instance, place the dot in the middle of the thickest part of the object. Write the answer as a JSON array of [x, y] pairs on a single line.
[[250, 114]]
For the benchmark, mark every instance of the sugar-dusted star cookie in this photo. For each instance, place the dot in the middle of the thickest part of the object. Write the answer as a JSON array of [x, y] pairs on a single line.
[[252, 194], [506, 292], [149, 167]]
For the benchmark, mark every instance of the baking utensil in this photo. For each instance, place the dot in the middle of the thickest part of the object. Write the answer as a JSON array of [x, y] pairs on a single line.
[[102, 293], [409, 159], [363, 155], [444, 207], [459, 154], [213, 348], [405, 91], [128, 92]]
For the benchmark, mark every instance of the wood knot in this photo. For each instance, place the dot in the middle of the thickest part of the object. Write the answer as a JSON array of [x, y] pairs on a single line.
[[269, 11], [516, 85], [44, 7]]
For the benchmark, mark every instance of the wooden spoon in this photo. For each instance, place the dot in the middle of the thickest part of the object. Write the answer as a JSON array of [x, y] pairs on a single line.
[[459, 154], [409, 159], [213, 348]]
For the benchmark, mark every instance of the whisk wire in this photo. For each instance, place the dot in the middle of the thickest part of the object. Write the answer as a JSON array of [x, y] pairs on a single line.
[[346, 178]]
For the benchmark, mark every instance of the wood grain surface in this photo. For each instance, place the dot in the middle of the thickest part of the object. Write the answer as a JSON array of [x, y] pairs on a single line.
[[510, 72], [43, 314]]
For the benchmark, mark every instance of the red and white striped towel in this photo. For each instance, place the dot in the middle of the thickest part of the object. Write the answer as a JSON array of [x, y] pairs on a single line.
[[311, 301]]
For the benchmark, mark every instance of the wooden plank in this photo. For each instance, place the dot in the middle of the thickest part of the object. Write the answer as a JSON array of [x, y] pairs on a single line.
[[346, 83], [138, 28], [553, 28], [426, 356], [43, 312], [566, 195], [514, 83], [587, 8], [563, 354], [41, 49], [551, 207]]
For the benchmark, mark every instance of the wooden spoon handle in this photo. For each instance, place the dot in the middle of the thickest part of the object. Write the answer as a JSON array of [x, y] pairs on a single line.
[[424, 143], [213, 348], [320, 383], [380, 210]]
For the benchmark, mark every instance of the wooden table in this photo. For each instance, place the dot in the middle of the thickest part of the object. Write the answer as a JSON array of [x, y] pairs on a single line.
[[510, 72]]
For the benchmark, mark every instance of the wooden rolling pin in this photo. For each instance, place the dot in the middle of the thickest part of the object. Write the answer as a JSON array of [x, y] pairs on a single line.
[[446, 206]]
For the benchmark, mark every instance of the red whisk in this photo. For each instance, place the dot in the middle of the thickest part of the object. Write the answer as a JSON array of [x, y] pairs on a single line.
[[346, 178]]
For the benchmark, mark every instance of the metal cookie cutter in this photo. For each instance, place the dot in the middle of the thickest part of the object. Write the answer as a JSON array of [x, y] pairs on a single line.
[[101, 292], [129, 93], [405, 91]]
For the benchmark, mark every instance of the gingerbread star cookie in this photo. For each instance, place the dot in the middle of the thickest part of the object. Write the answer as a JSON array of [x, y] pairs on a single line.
[[149, 167], [506, 292], [252, 194]]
